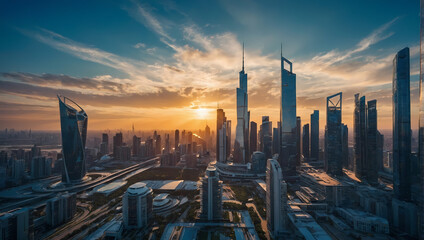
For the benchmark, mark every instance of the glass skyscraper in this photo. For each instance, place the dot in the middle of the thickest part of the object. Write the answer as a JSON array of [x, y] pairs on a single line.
[[372, 140], [288, 151], [211, 195], [401, 126], [305, 141], [241, 143], [359, 135], [315, 135], [73, 122], [421, 120], [333, 135]]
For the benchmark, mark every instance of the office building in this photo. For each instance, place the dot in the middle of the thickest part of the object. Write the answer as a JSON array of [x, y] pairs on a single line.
[[241, 143], [275, 141], [104, 146], [288, 152], [253, 137], [41, 167], [137, 206], [298, 140], [136, 145], [17, 224], [360, 137], [265, 137], [61, 209], [421, 122], [345, 146], [314, 156], [117, 143], [276, 199], [401, 126], [258, 162], [222, 137], [177, 140], [305, 141], [372, 140], [211, 195], [73, 124], [333, 135]]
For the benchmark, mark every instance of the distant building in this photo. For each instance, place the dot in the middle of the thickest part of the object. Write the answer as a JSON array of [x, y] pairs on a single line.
[[41, 167], [333, 135], [265, 137], [253, 137], [315, 136], [60, 209], [177, 140], [345, 146], [305, 141], [211, 195], [136, 145], [137, 206], [276, 199], [74, 135], [117, 143], [364, 222], [104, 145], [124, 153], [221, 136]]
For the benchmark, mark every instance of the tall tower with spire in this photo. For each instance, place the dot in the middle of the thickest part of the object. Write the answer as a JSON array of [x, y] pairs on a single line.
[[241, 143]]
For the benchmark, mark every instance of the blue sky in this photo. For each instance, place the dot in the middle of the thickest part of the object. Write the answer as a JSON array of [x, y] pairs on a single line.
[[145, 61]]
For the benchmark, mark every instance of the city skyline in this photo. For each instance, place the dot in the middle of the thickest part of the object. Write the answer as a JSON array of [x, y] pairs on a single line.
[[184, 65]]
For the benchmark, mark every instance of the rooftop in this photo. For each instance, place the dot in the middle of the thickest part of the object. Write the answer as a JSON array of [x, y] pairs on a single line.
[[322, 178], [138, 188]]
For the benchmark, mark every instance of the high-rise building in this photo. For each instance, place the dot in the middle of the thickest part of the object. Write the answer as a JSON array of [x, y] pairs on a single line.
[[61, 209], [241, 143], [253, 137], [190, 142], [208, 138], [265, 137], [136, 145], [305, 141], [288, 142], [41, 167], [333, 135], [228, 141], [158, 145], [167, 144], [104, 146], [221, 136], [421, 121], [345, 146], [275, 141], [117, 143], [276, 199], [137, 206], [17, 224], [258, 162], [360, 137], [315, 135], [298, 140], [372, 139], [211, 195], [74, 135], [401, 126], [177, 140]]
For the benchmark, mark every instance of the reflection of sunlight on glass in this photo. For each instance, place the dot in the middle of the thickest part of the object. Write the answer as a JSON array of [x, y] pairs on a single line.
[[201, 113]]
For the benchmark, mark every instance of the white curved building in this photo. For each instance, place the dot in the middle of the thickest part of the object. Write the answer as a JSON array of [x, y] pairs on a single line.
[[137, 206]]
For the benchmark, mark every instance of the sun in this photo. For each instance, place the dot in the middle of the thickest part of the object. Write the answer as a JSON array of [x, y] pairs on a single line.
[[202, 113]]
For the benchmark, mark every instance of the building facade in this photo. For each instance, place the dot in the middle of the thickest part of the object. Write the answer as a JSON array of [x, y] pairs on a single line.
[[211, 195], [315, 136], [137, 206], [333, 135]]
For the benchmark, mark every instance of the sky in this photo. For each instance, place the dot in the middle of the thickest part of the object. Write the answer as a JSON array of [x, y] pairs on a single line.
[[169, 64]]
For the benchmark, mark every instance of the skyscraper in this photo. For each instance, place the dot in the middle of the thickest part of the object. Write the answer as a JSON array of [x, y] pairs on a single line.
[[222, 136], [421, 120], [73, 124], [360, 137], [266, 137], [305, 141], [276, 199], [315, 135], [345, 146], [211, 195], [298, 149], [253, 137], [136, 145], [137, 206], [117, 143], [208, 137], [241, 143], [371, 147], [177, 140], [288, 141], [401, 126], [333, 135]]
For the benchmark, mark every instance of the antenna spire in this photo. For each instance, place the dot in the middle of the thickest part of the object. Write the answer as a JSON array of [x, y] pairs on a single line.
[[281, 49], [243, 58]]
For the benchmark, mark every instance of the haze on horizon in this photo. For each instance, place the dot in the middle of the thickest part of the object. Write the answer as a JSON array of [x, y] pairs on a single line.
[[163, 65]]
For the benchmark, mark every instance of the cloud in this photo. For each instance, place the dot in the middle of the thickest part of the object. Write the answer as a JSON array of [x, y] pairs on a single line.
[[140, 45]]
